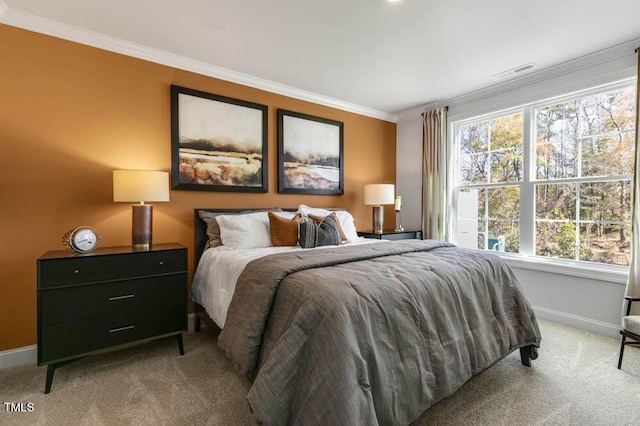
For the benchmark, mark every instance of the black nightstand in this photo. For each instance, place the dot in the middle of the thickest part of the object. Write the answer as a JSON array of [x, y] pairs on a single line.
[[390, 234], [109, 297]]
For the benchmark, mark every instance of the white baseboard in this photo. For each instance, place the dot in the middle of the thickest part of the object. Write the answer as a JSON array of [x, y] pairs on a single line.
[[583, 323], [29, 354], [18, 356]]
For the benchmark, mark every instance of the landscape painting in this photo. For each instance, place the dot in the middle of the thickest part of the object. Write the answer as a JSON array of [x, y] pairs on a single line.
[[218, 143], [310, 153]]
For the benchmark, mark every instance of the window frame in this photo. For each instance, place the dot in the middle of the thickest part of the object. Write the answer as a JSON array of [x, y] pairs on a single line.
[[526, 258]]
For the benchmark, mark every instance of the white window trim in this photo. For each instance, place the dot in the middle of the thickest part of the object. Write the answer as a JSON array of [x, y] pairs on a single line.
[[525, 259], [604, 272]]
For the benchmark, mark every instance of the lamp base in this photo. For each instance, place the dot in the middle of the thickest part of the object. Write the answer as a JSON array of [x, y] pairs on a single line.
[[142, 218], [378, 219]]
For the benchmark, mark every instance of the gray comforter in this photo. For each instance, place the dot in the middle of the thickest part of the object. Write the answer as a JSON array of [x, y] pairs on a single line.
[[370, 334]]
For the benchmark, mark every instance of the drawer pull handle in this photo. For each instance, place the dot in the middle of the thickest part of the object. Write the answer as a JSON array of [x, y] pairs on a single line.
[[115, 330], [161, 262], [76, 271], [127, 296]]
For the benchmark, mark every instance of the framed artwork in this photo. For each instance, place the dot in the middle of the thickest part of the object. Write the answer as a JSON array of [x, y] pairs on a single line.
[[310, 154], [217, 143]]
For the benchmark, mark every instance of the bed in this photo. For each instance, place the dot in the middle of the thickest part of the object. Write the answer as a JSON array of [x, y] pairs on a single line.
[[364, 332]]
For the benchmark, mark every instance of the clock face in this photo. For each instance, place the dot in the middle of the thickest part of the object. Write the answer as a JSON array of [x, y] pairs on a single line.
[[84, 240]]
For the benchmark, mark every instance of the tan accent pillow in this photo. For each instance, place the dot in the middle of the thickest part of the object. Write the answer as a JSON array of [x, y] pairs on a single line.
[[284, 232], [318, 219]]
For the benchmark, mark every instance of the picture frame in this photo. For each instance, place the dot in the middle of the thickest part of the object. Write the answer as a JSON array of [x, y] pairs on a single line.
[[310, 154], [217, 143]]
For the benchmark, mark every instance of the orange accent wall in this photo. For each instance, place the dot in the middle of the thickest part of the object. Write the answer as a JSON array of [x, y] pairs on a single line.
[[70, 114]]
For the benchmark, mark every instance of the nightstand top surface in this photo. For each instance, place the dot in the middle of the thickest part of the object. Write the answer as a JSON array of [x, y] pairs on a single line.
[[387, 231], [57, 254]]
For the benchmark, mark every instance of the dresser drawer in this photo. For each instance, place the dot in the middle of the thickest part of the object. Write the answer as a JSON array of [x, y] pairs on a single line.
[[88, 269], [75, 303], [80, 337]]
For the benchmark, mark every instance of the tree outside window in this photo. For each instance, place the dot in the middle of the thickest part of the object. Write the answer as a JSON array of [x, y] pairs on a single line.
[[581, 154]]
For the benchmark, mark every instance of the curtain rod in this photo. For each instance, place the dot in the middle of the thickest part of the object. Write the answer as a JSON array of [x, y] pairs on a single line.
[[446, 108]]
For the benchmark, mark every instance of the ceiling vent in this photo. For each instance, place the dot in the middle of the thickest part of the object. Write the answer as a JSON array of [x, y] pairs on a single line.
[[515, 71]]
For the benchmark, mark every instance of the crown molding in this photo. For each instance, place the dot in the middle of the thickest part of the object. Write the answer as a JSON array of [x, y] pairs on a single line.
[[415, 112], [594, 59], [27, 21], [590, 60]]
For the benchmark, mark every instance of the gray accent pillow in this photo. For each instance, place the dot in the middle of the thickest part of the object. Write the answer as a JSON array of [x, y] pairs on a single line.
[[213, 230], [312, 234]]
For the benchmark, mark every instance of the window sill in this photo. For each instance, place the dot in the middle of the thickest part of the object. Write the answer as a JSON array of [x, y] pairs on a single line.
[[610, 273]]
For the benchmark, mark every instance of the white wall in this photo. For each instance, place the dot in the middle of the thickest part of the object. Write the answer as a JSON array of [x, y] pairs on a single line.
[[588, 303], [409, 171]]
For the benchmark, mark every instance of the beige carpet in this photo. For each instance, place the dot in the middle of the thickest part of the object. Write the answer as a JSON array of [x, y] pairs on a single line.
[[573, 382]]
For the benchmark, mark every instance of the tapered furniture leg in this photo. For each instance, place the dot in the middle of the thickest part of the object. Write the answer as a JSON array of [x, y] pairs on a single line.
[[51, 369], [621, 351]]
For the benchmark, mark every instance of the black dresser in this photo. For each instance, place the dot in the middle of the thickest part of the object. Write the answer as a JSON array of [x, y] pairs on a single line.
[[109, 297]]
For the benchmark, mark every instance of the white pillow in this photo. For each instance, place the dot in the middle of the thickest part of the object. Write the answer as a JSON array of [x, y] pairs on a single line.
[[249, 230], [347, 222]]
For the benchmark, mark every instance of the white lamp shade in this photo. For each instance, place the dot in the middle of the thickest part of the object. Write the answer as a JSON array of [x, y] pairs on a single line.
[[378, 194], [140, 185]]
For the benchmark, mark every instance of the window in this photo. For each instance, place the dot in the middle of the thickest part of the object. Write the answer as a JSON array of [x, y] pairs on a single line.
[[550, 179]]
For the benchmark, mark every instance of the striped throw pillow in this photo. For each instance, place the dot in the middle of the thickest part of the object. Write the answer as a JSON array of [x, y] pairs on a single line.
[[312, 234]]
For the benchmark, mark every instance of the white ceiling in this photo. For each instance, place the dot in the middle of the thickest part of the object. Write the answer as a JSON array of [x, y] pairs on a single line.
[[383, 56]]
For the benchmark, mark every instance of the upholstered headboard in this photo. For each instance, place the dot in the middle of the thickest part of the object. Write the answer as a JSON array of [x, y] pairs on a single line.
[[200, 227]]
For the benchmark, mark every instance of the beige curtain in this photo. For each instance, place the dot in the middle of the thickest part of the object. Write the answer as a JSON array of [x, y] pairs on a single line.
[[633, 285], [434, 174]]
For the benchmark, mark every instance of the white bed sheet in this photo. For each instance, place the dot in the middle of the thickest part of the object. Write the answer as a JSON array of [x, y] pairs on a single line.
[[220, 267]]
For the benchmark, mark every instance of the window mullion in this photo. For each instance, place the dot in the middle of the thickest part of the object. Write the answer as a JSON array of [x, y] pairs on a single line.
[[577, 224], [527, 188], [578, 142]]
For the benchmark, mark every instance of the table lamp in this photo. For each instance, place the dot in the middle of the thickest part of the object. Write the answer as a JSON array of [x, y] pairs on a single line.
[[377, 195], [141, 186]]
